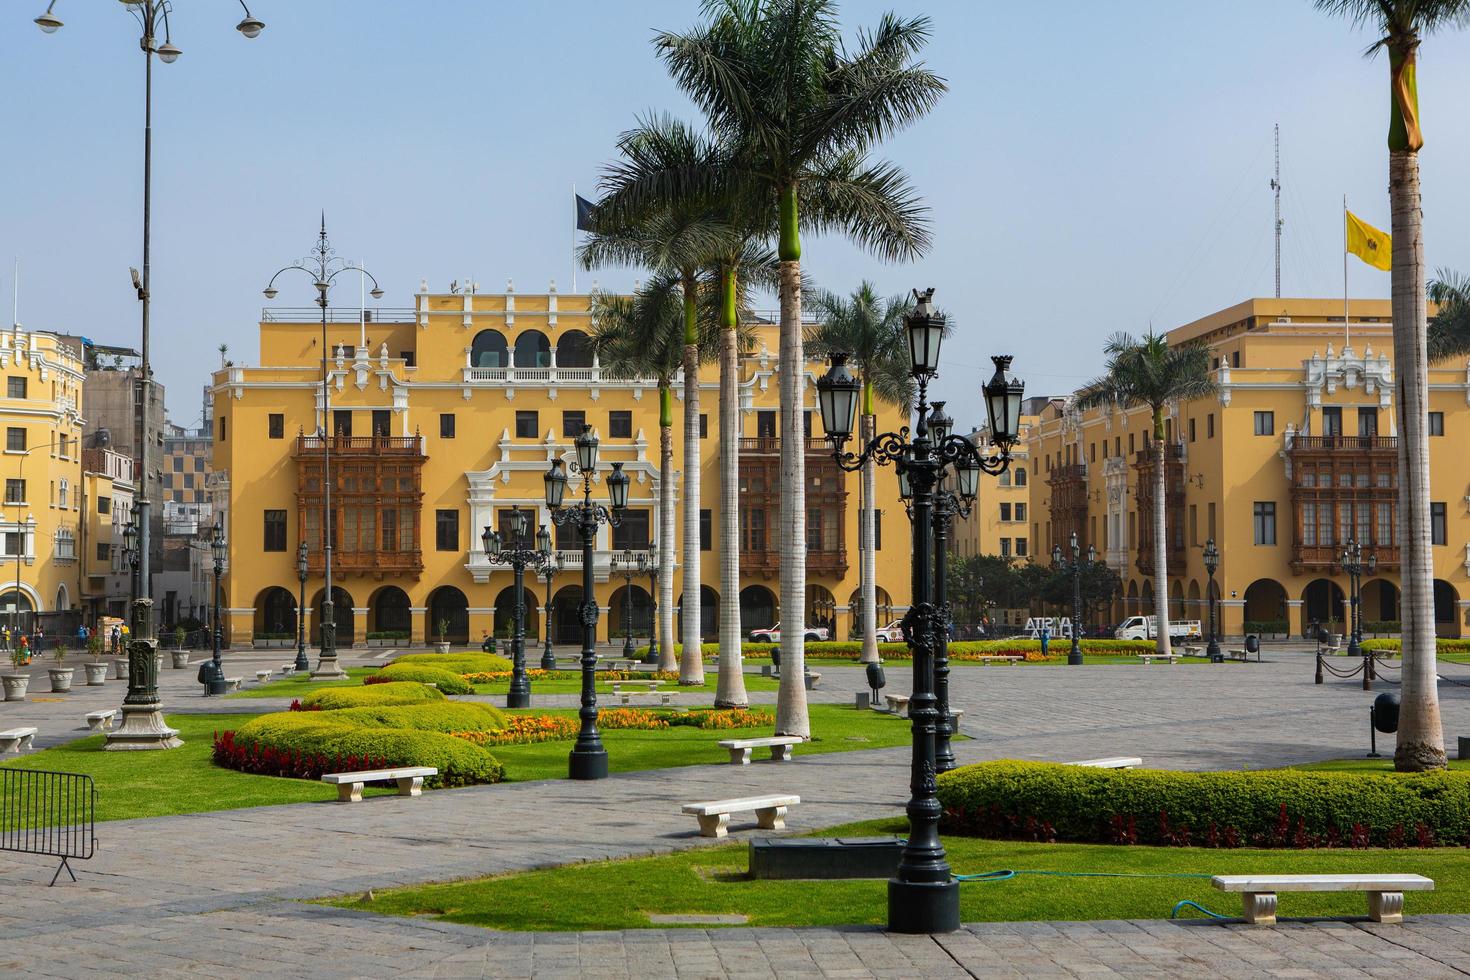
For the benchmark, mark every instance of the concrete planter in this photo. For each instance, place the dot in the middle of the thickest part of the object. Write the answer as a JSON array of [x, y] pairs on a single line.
[[15, 686], [120, 670], [60, 679], [272, 644], [401, 642], [441, 647], [181, 658], [96, 674]]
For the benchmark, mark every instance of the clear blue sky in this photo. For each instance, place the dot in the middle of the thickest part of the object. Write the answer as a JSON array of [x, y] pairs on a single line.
[[1102, 168]]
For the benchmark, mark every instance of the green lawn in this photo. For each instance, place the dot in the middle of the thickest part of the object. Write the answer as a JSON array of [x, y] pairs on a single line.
[[300, 685], [185, 780], [1385, 764], [621, 894]]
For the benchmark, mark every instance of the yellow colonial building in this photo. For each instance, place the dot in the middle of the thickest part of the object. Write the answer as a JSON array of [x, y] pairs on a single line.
[[1295, 456], [444, 417], [999, 522]]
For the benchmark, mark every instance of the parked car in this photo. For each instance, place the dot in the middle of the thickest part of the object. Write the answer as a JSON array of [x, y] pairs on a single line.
[[772, 634], [1147, 628], [892, 633]]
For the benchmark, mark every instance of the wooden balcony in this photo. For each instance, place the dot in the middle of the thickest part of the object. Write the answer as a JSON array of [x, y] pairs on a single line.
[[379, 564], [768, 562], [1330, 557], [771, 446], [1338, 443], [360, 445]]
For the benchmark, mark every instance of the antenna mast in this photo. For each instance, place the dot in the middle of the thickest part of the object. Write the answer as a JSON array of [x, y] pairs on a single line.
[[1276, 186]]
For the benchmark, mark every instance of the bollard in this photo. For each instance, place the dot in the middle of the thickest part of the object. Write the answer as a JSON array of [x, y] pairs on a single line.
[[1319, 665], [1368, 671]]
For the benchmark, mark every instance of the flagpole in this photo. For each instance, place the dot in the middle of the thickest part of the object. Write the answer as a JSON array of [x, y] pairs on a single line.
[[574, 240], [1347, 336]]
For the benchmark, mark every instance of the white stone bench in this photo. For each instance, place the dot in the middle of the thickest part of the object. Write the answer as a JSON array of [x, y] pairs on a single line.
[[1385, 892], [897, 703], [780, 746], [262, 675], [810, 680], [714, 816], [664, 697], [1243, 656], [1116, 762], [349, 784], [617, 686], [1149, 658], [287, 670], [233, 683], [1003, 658], [955, 714], [101, 721], [1193, 651], [18, 740]]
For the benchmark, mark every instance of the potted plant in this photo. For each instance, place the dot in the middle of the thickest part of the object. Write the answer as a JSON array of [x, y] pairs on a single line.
[[443, 635], [179, 654], [60, 676], [96, 670], [15, 683], [179, 636]]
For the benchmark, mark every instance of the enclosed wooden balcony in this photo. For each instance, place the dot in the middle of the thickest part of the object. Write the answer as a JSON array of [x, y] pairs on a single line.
[[1342, 488], [760, 508], [1143, 465]]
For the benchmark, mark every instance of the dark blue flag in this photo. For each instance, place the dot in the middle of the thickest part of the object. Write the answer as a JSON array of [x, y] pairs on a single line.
[[584, 213]]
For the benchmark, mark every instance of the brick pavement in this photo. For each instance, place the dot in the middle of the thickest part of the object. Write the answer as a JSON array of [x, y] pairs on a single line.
[[212, 894]]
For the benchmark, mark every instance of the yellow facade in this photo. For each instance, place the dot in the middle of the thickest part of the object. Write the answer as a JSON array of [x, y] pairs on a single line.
[[460, 403], [1000, 520], [1295, 456]]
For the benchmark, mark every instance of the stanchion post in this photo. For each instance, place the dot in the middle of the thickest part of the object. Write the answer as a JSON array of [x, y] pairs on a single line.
[[1319, 665], [1368, 671]]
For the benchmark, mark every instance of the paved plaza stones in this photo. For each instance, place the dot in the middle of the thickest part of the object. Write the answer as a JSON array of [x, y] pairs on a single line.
[[216, 894]]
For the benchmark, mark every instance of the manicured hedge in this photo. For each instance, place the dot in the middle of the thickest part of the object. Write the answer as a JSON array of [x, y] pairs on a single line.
[[1442, 645], [457, 663], [402, 692], [432, 716], [448, 682], [1274, 808]]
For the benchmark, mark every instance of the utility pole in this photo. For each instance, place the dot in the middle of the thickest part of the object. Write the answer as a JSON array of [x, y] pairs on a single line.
[[1276, 186]]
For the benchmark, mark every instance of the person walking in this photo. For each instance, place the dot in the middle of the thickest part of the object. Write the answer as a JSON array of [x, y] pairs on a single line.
[[1045, 639]]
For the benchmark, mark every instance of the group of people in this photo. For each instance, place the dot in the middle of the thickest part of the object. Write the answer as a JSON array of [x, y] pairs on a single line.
[[116, 638]]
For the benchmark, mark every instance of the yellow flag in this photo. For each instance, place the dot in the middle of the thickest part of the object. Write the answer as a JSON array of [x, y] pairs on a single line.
[[1368, 243]]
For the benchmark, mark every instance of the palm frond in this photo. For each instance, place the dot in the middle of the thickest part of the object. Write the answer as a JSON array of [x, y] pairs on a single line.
[[872, 203], [1449, 328]]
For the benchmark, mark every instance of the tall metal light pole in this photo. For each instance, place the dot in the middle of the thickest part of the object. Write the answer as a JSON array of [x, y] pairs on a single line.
[[1353, 565], [149, 14], [130, 555], [1212, 562], [923, 897], [552, 566], [517, 557], [215, 678], [1074, 655], [588, 758], [648, 564], [301, 662], [628, 567], [323, 266]]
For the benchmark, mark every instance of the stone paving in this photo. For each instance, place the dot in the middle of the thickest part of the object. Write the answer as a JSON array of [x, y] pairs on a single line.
[[215, 894]]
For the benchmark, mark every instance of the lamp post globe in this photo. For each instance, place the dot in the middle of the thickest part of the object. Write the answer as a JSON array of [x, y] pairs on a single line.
[[517, 556]]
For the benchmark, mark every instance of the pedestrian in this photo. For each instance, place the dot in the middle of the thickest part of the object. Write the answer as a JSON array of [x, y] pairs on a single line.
[[1045, 638]]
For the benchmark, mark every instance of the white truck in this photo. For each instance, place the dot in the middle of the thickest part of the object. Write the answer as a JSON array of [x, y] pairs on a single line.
[[1147, 628]]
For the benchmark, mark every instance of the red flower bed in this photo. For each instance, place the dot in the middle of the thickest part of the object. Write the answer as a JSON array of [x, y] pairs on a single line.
[[267, 761]]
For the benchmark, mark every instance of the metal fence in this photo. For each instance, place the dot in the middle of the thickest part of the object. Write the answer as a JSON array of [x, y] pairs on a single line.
[[53, 813]]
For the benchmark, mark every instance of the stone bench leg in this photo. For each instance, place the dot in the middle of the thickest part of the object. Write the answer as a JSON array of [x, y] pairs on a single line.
[[10, 744], [349, 792], [714, 825], [780, 753], [1259, 908], [771, 818], [1386, 907], [666, 699], [626, 699], [99, 724], [740, 757], [411, 786]]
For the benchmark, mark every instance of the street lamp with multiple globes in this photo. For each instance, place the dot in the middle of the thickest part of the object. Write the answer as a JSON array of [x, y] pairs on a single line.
[[130, 555], [517, 557], [627, 567], [923, 897], [1074, 656], [648, 564], [1353, 566], [149, 14], [301, 662], [1212, 563], [214, 679], [588, 759], [552, 566], [323, 266]]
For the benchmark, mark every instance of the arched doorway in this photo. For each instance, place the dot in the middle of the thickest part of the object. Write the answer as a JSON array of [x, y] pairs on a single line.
[[1176, 601], [566, 615], [63, 600], [618, 623], [1446, 609], [1130, 605], [533, 350], [1196, 606], [1380, 604], [573, 350], [1265, 602], [821, 609], [390, 613], [22, 613], [1322, 602], [757, 608], [449, 610], [709, 614], [341, 615], [275, 613], [488, 350], [505, 613]]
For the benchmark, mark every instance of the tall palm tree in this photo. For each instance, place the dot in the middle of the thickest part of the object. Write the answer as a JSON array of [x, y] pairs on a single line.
[[1148, 373], [1400, 25], [870, 330], [778, 85], [1449, 328], [642, 336]]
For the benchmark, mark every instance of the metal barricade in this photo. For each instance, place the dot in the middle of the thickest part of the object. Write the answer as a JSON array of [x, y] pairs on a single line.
[[52, 813]]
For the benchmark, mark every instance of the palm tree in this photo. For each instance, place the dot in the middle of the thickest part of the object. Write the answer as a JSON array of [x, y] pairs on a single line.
[[1401, 24], [1449, 328], [1148, 373], [870, 330], [643, 337], [800, 111]]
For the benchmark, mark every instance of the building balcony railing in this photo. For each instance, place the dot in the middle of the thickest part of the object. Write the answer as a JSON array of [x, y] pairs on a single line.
[[313, 314], [367, 561], [1305, 556], [363, 445], [768, 562], [1320, 443], [557, 374], [771, 445], [1069, 473]]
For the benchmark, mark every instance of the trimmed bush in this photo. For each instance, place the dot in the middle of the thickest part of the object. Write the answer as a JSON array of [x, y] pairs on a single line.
[[379, 695], [456, 663], [1267, 626], [448, 682], [1442, 645], [1274, 808], [434, 716]]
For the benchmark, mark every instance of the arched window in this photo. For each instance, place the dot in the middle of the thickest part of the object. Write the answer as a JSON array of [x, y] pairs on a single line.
[[533, 350], [573, 350], [1020, 476], [489, 350]]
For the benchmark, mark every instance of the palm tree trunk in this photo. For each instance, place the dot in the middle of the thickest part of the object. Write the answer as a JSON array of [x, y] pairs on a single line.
[[667, 659], [1420, 737], [1161, 541], [867, 558], [730, 689], [691, 660], [791, 711]]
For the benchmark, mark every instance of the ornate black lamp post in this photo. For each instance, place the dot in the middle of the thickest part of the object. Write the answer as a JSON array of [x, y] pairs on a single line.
[[1212, 562], [627, 567], [923, 896], [301, 662], [1074, 656], [324, 266], [517, 558], [130, 555], [648, 564], [588, 758], [552, 566], [1353, 566], [214, 683]]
